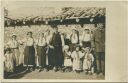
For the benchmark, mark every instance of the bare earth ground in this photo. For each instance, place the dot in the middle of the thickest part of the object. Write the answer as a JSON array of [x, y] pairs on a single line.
[[58, 75]]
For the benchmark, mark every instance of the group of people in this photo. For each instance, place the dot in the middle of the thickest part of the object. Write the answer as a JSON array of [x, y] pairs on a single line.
[[53, 50]]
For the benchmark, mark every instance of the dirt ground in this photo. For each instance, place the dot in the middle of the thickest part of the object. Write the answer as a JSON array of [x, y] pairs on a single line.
[[58, 75]]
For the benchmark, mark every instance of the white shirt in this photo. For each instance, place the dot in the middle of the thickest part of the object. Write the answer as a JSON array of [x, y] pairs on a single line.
[[48, 38], [74, 55], [29, 42], [62, 39], [13, 43], [86, 37], [74, 38], [41, 41]]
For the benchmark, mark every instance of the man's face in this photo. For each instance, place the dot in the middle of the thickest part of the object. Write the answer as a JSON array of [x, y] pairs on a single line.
[[73, 31], [42, 34], [87, 31], [29, 35], [13, 37]]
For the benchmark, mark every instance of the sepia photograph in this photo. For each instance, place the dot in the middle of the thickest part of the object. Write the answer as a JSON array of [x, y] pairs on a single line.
[[45, 42]]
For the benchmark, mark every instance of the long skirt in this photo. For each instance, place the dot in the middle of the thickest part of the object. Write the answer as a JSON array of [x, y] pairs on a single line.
[[16, 54], [50, 56], [41, 56], [29, 56], [58, 57], [86, 44]]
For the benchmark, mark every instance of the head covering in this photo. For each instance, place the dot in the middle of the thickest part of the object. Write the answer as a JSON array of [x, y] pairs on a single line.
[[66, 47], [29, 32], [13, 35]]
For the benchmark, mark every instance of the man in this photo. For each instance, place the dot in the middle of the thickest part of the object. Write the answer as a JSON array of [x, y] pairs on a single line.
[[99, 45], [57, 45], [13, 44]]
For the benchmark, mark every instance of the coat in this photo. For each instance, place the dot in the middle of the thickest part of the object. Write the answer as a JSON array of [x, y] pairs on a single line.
[[98, 40]]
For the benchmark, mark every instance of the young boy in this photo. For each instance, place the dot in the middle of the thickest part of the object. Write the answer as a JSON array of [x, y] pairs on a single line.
[[88, 61], [67, 59]]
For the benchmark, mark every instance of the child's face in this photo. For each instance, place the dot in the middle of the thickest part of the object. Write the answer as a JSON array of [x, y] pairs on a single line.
[[87, 50], [66, 49], [29, 35], [7, 52], [77, 48]]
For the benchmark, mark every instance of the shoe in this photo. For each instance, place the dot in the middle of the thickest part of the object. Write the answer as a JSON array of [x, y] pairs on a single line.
[[40, 70], [31, 69], [97, 72], [100, 74]]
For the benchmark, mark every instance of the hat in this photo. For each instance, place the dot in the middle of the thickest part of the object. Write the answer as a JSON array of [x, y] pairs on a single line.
[[13, 35]]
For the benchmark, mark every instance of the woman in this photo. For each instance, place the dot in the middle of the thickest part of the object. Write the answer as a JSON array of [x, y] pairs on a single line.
[[86, 38], [13, 44], [74, 40], [29, 52], [41, 44]]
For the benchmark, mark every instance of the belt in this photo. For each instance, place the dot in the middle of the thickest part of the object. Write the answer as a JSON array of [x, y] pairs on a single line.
[[14, 48]]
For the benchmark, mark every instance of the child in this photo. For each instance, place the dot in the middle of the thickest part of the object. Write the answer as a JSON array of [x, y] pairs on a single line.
[[9, 62], [88, 61], [77, 55], [67, 58], [41, 44]]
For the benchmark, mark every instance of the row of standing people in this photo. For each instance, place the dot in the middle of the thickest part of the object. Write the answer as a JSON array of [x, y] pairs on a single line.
[[50, 48]]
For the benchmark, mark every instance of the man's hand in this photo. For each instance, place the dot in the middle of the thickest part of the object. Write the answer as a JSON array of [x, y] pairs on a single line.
[[51, 46]]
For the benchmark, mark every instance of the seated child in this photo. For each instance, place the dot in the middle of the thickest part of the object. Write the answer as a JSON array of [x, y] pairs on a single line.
[[77, 55], [88, 61], [67, 59], [9, 61]]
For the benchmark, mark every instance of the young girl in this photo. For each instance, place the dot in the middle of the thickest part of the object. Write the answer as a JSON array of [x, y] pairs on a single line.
[[88, 61], [41, 44], [29, 52], [77, 55], [67, 58], [9, 60], [86, 38]]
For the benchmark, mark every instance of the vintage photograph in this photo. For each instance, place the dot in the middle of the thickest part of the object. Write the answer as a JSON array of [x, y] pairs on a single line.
[[45, 42]]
